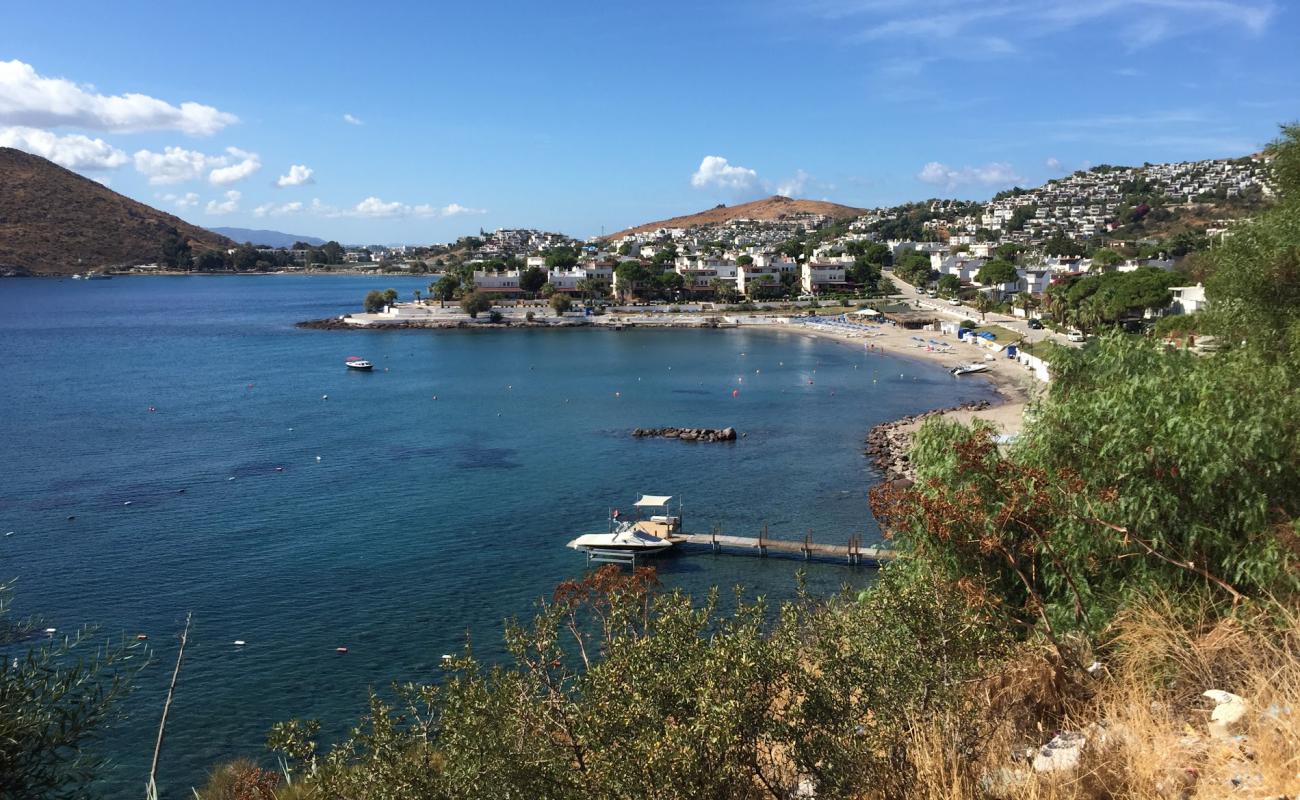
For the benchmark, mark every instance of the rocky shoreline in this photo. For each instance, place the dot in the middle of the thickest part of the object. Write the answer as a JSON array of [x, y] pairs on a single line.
[[888, 443], [687, 434]]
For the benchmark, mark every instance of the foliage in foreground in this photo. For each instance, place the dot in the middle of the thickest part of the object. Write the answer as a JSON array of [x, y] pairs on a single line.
[[1143, 471], [56, 699], [615, 691]]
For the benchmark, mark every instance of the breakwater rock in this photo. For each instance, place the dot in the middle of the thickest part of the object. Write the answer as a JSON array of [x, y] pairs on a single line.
[[688, 434], [888, 443]]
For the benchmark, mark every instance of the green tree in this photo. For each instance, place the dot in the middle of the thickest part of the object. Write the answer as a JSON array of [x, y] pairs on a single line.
[[375, 301], [949, 284], [210, 261], [561, 258], [996, 273], [560, 303], [1009, 251], [475, 303], [630, 275], [445, 287], [669, 283], [745, 260], [724, 290], [532, 279], [57, 698], [1105, 257], [176, 250], [1253, 283], [390, 296], [984, 304], [331, 253]]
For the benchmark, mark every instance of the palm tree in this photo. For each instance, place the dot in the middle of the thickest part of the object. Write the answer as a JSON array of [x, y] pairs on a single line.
[[983, 304], [1025, 301], [417, 297]]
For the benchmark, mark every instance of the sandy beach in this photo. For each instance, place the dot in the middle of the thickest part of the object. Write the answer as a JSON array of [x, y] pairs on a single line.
[[1013, 383]]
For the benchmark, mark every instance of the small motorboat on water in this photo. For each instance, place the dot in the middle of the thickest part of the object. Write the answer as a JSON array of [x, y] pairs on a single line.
[[98, 276], [358, 364], [648, 536], [967, 369]]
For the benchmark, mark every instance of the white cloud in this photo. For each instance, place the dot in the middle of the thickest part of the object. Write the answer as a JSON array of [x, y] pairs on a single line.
[[1054, 164], [299, 175], [247, 164], [173, 165], [351, 120], [227, 206], [1137, 23], [450, 210], [374, 208], [716, 172], [73, 151], [187, 200], [796, 186], [177, 165], [994, 174], [28, 98], [272, 210]]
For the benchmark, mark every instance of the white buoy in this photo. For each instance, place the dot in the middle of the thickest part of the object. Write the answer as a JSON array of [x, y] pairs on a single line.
[[318, 458], [324, 397], [51, 631], [231, 478], [239, 643], [127, 503], [9, 533]]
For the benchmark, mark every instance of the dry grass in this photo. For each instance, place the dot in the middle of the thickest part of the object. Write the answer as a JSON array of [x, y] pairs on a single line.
[[1143, 714]]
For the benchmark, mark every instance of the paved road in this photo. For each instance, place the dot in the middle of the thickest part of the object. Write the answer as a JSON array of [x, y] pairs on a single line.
[[914, 296]]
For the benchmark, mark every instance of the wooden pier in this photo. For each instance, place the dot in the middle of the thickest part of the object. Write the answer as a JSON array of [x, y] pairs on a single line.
[[852, 552]]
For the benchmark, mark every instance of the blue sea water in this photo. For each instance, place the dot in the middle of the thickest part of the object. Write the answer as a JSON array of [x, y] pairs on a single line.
[[418, 504]]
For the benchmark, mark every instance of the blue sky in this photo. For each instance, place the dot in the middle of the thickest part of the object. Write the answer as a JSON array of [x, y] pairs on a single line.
[[418, 122]]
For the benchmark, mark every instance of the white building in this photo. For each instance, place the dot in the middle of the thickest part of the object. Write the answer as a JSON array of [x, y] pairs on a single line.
[[504, 281], [1187, 299], [817, 278]]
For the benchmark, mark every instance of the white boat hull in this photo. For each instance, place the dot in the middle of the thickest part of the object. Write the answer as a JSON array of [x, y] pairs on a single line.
[[623, 541]]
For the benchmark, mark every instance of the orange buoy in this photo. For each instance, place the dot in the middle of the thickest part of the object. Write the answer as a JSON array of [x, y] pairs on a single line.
[[735, 392]]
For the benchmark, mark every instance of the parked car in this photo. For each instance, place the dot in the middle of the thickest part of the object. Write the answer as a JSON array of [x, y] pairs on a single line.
[[1075, 336], [1035, 325], [954, 302]]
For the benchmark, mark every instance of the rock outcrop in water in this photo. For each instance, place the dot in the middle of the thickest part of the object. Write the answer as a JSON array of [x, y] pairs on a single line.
[[688, 434]]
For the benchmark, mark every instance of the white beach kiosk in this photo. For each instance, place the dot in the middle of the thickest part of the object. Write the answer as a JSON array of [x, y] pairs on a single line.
[[626, 539]]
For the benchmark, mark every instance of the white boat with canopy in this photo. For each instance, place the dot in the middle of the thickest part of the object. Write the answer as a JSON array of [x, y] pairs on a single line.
[[652, 534]]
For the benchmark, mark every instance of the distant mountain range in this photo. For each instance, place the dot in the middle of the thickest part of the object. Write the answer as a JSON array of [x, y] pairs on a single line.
[[769, 208], [266, 238], [55, 222]]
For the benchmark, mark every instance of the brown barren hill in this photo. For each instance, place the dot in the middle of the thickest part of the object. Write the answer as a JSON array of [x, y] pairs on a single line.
[[774, 207], [55, 222]]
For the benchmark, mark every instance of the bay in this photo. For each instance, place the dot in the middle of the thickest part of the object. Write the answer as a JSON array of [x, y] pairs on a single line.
[[397, 512]]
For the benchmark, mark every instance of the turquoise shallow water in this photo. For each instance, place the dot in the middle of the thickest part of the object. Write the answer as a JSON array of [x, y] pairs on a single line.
[[422, 519]]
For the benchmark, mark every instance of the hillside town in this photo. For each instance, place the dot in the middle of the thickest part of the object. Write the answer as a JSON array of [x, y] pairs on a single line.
[[1006, 254]]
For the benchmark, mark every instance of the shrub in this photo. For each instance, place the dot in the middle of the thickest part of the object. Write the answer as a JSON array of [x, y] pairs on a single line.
[[617, 691], [475, 303]]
